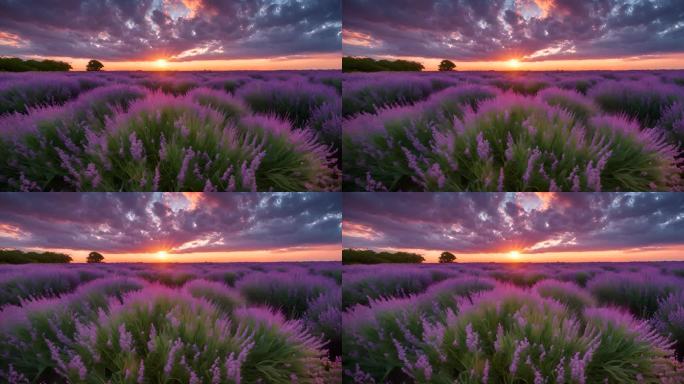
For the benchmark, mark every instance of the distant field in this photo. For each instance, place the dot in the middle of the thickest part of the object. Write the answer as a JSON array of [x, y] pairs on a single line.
[[182, 323], [513, 131], [514, 323], [183, 131]]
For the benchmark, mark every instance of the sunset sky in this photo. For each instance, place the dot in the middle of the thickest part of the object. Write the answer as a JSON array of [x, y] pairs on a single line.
[[525, 227], [175, 227], [519, 34], [176, 34]]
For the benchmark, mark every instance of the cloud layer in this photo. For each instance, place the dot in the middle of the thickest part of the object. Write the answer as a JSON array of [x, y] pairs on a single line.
[[474, 30], [147, 222], [501, 222], [125, 30]]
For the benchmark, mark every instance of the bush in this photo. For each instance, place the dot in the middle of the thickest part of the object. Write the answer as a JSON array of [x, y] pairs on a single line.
[[642, 101], [294, 101], [669, 320], [638, 293], [21, 286], [368, 95], [57, 320], [511, 143], [22, 95], [510, 335], [360, 287], [372, 333], [568, 294], [290, 292], [155, 337]]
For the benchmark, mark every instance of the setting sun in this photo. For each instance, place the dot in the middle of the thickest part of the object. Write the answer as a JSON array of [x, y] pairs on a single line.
[[513, 63], [514, 255], [162, 255], [162, 63]]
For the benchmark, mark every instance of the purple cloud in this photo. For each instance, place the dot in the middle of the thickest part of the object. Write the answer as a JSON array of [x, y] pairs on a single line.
[[121, 30], [499, 222], [148, 222], [472, 30]]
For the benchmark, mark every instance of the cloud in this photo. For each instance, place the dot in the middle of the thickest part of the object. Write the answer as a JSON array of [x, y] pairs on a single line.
[[123, 30], [472, 30], [499, 222], [147, 222]]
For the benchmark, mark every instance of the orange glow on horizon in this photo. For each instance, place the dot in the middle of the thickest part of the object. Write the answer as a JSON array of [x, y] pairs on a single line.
[[312, 253], [318, 61], [653, 62], [514, 63], [673, 253]]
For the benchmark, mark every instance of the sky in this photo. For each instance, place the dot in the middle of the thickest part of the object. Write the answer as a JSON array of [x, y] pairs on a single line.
[[519, 227], [175, 34], [175, 227], [519, 34]]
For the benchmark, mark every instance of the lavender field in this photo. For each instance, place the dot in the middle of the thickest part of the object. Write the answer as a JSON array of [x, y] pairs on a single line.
[[513, 131], [514, 323], [190, 131], [182, 323]]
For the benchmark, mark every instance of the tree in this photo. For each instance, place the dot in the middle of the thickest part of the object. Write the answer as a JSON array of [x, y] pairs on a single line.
[[94, 65], [447, 65], [15, 256], [447, 257], [367, 256], [95, 257], [367, 64], [15, 64]]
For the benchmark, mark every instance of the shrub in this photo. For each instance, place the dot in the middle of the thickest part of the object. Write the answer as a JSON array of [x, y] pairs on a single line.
[[638, 293], [57, 321], [155, 336], [22, 95], [372, 333], [290, 292], [512, 143], [323, 318], [293, 100], [368, 95], [31, 285], [642, 101], [360, 287], [568, 294], [669, 320]]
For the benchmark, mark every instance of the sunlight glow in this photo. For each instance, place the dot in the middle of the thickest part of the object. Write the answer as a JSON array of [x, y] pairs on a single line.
[[161, 63], [514, 255], [513, 63], [162, 255]]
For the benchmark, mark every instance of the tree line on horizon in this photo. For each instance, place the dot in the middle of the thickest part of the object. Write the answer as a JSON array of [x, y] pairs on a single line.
[[16, 256], [367, 64], [15, 64], [367, 256]]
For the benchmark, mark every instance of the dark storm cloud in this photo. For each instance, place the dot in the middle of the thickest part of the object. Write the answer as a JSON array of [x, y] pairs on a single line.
[[149, 29], [497, 222], [143, 222], [501, 29]]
